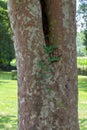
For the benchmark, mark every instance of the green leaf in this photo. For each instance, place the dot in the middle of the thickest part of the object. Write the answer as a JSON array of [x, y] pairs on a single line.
[[53, 59], [49, 49], [41, 63], [48, 90]]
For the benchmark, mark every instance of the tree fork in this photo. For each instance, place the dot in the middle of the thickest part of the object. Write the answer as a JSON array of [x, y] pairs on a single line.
[[39, 109], [45, 21]]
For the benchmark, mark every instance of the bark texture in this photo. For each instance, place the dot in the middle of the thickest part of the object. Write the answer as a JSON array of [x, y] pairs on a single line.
[[47, 100]]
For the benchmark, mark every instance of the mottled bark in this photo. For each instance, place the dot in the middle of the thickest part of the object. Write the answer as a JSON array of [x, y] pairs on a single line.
[[47, 100]]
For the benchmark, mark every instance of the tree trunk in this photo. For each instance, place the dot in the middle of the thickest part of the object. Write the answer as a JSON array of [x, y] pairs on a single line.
[[44, 39]]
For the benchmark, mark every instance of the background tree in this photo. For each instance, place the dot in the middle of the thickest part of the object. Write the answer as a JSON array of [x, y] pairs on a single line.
[[82, 14], [6, 43], [85, 39], [44, 40], [81, 49]]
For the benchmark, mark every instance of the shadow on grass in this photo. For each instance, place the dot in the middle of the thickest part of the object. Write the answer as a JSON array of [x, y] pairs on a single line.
[[83, 124], [2, 82], [8, 122]]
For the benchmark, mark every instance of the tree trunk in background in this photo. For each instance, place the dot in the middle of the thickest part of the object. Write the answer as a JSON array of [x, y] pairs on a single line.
[[47, 89]]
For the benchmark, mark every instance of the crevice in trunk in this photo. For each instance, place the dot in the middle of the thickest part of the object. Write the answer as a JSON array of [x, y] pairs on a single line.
[[45, 22]]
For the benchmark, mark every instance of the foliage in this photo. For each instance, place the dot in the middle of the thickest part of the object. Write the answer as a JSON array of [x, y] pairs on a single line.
[[53, 59], [6, 43], [13, 62], [82, 65], [49, 49], [45, 68], [82, 61], [85, 39], [82, 71], [3, 4], [82, 11], [81, 51]]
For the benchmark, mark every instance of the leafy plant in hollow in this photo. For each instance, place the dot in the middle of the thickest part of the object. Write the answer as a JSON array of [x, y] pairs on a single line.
[[49, 49], [45, 67]]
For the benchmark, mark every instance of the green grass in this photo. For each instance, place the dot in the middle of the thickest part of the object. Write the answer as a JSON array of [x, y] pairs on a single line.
[[82, 81], [8, 102]]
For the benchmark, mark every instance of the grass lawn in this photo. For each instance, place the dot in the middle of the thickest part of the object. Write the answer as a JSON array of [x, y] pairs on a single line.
[[8, 102], [82, 81]]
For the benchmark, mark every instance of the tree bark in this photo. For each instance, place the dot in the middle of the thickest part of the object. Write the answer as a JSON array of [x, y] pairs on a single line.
[[47, 89]]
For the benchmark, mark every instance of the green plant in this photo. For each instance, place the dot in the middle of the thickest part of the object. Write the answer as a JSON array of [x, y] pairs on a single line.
[[45, 67], [53, 59], [50, 49], [48, 90], [41, 64]]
